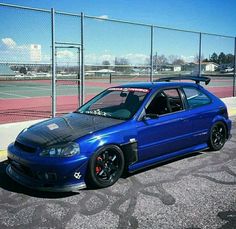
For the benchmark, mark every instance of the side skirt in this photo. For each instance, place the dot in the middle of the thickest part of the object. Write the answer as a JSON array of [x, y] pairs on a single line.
[[144, 164]]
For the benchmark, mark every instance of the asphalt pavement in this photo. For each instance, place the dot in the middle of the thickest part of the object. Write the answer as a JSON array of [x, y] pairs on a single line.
[[197, 191]]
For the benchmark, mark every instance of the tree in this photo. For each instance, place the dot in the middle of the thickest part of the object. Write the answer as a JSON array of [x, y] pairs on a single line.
[[172, 58], [214, 58], [122, 61], [178, 61], [159, 61], [106, 63], [222, 58], [205, 60], [229, 58], [23, 70]]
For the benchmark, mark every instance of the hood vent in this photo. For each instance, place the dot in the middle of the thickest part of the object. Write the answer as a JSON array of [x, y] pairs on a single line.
[[25, 148]]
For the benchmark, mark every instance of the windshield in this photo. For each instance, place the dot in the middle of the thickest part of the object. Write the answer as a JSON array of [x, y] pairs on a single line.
[[119, 103]]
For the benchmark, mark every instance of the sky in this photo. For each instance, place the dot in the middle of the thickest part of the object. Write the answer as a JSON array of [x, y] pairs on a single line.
[[105, 40]]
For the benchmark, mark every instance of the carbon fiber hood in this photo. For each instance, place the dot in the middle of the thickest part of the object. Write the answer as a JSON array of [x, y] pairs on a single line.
[[64, 129]]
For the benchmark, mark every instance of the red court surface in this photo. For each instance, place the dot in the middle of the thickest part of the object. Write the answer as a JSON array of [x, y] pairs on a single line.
[[24, 109]]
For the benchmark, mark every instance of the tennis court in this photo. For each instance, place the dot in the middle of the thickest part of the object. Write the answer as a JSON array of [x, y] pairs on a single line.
[[22, 100]]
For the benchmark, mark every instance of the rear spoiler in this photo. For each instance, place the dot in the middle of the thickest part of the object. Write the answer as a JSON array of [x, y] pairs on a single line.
[[197, 79]]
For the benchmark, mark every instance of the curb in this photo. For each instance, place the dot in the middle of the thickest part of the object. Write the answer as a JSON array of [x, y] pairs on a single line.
[[3, 155], [232, 111]]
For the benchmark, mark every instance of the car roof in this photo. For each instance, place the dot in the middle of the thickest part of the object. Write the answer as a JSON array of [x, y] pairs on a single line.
[[150, 85]]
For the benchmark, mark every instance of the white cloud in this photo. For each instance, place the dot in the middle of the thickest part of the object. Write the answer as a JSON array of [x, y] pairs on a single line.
[[137, 58], [133, 58], [65, 54], [8, 42], [103, 17], [109, 57], [97, 59], [187, 59], [11, 51]]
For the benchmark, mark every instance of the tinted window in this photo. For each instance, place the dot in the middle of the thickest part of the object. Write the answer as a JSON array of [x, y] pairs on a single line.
[[196, 98], [164, 102], [120, 103], [174, 100]]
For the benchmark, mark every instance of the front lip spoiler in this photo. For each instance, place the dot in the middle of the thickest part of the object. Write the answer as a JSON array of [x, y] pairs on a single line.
[[32, 184]]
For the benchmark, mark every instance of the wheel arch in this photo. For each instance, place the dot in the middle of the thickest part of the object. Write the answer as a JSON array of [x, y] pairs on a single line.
[[129, 150], [223, 120], [91, 178]]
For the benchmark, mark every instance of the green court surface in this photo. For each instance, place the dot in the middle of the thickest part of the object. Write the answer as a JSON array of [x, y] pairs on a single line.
[[40, 88]]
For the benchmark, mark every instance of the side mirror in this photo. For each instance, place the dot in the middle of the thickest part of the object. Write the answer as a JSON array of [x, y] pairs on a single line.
[[150, 116]]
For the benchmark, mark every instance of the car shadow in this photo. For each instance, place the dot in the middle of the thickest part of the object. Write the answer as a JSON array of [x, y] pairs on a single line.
[[8, 184], [126, 174]]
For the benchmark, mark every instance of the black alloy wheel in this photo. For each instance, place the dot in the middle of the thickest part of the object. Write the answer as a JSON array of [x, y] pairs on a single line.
[[218, 136], [106, 166]]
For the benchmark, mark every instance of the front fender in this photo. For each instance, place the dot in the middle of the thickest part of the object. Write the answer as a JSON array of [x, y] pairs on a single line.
[[112, 136]]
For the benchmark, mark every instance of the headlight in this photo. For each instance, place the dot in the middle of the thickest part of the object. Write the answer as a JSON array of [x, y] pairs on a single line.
[[68, 150]]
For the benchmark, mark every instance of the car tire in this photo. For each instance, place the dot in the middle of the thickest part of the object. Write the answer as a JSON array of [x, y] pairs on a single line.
[[105, 166], [218, 136]]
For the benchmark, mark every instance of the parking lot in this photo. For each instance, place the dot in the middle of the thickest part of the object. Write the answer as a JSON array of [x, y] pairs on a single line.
[[197, 191]]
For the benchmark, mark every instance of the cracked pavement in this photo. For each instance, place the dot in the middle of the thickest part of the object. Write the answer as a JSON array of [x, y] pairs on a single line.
[[196, 191]]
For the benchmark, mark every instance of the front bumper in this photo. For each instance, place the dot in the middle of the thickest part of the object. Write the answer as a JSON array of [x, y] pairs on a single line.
[[46, 174], [33, 184]]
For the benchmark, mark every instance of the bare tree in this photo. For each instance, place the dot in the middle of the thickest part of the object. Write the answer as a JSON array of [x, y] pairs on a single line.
[[176, 60], [121, 61], [124, 62], [159, 61], [172, 58]]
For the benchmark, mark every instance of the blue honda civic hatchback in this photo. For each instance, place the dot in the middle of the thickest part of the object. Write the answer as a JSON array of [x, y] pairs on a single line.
[[124, 128]]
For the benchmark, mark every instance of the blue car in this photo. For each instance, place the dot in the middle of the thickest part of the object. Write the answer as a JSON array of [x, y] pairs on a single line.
[[124, 128]]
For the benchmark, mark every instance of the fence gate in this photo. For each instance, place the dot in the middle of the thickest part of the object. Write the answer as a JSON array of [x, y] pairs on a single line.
[[67, 77]]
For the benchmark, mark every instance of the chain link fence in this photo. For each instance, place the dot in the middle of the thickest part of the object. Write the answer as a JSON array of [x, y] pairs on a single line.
[[51, 61]]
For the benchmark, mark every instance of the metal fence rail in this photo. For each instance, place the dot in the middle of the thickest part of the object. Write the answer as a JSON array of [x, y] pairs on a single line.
[[49, 73]]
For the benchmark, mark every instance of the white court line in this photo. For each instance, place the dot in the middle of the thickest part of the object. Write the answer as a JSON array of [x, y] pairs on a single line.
[[15, 95], [36, 88]]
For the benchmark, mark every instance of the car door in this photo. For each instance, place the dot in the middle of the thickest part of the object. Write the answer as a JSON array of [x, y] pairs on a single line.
[[199, 105], [170, 131]]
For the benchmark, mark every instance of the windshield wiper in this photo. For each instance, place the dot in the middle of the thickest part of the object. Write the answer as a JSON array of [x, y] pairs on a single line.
[[78, 112]]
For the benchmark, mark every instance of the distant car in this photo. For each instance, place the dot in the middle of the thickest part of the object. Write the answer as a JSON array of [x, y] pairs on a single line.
[[226, 70], [124, 128]]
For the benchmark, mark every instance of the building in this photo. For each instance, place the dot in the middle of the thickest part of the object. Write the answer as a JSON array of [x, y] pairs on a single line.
[[209, 66], [177, 68]]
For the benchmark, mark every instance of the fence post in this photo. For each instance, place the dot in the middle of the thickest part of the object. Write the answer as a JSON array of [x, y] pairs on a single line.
[[234, 67], [200, 55], [151, 55], [53, 63], [79, 74], [82, 62]]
